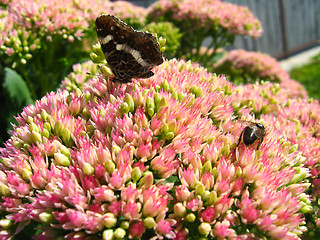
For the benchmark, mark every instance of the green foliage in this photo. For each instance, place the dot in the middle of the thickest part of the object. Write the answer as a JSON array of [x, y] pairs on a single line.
[[309, 76], [15, 95], [16, 88], [168, 31]]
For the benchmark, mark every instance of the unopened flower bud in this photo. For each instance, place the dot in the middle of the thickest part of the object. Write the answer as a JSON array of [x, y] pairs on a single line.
[[109, 166], [88, 169], [6, 223], [204, 228], [129, 100], [147, 180], [125, 225], [136, 174], [149, 222], [4, 190], [109, 220], [37, 138], [124, 108], [200, 188], [46, 217], [107, 234], [179, 210], [61, 159], [58, 127], [190, 217], [119, 233]]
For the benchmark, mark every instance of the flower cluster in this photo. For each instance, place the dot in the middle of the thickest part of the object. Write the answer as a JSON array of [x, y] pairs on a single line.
[[156, 158], [130, 13], [41, 40], [212, 20], [167, 31], [48, 19], [208, 15], [81, 73], [243, 66]]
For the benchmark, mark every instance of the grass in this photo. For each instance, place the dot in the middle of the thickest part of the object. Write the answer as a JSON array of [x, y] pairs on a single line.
[[309, 76]]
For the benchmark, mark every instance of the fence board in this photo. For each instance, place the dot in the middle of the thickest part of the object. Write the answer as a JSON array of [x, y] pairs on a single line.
[[301, 19]]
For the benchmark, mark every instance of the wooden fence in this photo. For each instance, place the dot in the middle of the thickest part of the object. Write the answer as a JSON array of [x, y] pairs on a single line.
[[289, 26]]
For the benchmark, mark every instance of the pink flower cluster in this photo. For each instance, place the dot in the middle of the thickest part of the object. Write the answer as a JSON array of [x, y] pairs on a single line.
[[257, 66], [208, 14], [28, 25], [152, 159]]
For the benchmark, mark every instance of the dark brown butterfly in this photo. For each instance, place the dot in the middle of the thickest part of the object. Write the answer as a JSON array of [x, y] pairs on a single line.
[[129, 53]]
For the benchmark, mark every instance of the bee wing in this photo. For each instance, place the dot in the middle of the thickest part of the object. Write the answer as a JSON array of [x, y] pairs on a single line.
[[246, 123]]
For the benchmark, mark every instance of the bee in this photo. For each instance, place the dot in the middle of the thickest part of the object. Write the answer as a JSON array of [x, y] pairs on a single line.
[[251, 133]]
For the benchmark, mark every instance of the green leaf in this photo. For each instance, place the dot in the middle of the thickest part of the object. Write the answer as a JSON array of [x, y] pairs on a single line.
[[17, 88]]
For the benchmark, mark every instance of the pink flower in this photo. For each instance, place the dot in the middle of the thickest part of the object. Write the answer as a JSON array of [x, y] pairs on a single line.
[[173, 172], [137, 229]]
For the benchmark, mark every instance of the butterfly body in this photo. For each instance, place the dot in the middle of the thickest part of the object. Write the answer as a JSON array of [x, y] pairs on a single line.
[[129, 53]]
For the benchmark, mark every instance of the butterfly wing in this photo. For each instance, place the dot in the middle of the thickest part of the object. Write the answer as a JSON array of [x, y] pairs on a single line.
[[113, 35], [129, 53]]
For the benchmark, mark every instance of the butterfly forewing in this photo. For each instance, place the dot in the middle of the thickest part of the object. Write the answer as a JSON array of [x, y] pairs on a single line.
[[129, 53]]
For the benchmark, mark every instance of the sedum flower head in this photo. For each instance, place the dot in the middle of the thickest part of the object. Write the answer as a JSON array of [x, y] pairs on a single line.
[[243, 66], [155, 158], [208, 15]]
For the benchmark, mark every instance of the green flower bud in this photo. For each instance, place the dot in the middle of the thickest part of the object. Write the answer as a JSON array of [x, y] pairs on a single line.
[[150, 112], [4, 190], [88, 169], [199, 189], [26, 174], [61, 159], [165, 85], [66, 136], [136, 174], [107, 234], [207, 167], [64, 150], [106, 71], [146, 180], [164, 128], [149, 223], [58, 127], [37, 138], [109, 220], [109, 166], [45, 133], [129, 100], [125, 225], [46, 217], [212, 198], [179, 210], [6, 223], [204, 228], [124, 108], [119, 233], [150, 103], [169, 136], [34, 128], [190, 217]]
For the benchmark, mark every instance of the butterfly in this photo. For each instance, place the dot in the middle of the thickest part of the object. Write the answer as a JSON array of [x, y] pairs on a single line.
[[129, 53]]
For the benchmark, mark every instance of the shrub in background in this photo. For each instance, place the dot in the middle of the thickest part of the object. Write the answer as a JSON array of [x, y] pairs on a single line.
[[169, 32], [41, 40], [241, 66]]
